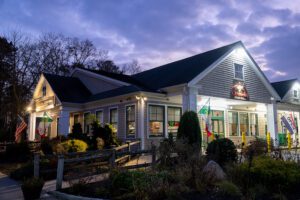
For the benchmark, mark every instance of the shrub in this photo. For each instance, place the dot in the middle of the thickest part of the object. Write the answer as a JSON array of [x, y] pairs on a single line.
[[228, 190], [32, 188], [77, 129], [189, 128], [103, 132], [71, 146], [46, 146], [19, 152], [257, 147], [23, 172], [222, 151]]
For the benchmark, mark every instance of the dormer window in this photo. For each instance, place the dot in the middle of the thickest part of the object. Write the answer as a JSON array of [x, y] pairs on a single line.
[[295, 93], [238, 71], [44, 91]]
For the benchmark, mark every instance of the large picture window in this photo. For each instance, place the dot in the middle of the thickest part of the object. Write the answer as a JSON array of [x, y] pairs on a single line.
[[99, 116], [244, 123], [113, 119], [174, 114], [238, 71], [156, 120], [233, 123], [130, 121], [86, 122]]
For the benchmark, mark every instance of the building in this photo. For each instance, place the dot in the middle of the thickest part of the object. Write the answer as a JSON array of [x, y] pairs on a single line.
[[148, 105]]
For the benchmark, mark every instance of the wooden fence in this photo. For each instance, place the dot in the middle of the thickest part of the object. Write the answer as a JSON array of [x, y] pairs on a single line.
[[100, 159]]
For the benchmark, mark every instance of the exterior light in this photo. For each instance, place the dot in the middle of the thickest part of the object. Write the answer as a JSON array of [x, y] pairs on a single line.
[[29, 108], [296, 86], [145, 98], [137, 97]]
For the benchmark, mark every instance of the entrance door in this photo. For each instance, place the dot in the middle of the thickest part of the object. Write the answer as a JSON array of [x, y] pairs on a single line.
[[218, 123]]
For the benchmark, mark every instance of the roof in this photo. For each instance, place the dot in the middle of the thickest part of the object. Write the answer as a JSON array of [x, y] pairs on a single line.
[[182, 71], [61, 86], [117, 92], [282, 87]]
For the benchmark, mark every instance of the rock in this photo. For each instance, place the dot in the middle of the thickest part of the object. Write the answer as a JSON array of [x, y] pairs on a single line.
[[212, 172]]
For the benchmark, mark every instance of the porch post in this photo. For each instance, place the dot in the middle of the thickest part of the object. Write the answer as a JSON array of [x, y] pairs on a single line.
[[141, 124], [272, 122], [189, 99], [64, 122], [31, 126]]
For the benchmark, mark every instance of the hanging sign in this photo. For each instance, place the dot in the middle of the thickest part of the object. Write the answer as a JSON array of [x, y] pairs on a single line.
[[239, 91]]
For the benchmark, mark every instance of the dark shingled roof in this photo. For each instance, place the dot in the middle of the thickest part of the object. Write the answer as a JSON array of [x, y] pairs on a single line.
[[117, 92], [68, 89], [182, 71], [282, 87]]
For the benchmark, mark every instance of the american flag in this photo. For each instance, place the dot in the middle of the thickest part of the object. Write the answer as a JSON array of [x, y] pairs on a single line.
[[21, 125]]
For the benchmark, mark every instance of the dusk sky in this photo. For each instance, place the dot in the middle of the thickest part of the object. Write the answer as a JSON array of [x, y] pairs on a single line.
[[156, 32]]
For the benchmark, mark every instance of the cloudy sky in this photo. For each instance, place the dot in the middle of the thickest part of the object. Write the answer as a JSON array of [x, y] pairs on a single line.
[[156, 32]]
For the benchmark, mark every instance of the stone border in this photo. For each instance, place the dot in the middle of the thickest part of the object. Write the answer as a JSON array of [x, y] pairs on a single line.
[[65, 196]]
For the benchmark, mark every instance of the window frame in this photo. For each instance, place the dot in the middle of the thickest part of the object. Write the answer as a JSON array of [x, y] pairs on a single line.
[[135, 120], [100, 110], [242, 73], [88, 112], [167, 116], [109, 116], [78, 114], [44, 90], [295, 92], [238, 123], [163, 135]]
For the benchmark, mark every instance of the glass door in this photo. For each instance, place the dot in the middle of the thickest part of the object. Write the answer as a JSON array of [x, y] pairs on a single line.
[[217, 119]]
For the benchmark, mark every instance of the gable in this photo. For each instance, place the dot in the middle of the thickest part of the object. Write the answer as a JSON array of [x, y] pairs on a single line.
[[219, 80], [38, 91], [96, 83]]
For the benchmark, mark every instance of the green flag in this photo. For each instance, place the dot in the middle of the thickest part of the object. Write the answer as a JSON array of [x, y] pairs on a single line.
[[47, 118]]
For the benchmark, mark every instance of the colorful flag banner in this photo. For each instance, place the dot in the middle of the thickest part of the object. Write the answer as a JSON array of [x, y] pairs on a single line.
[[287, 121], [205, 113], [21, 126], [43, 124]]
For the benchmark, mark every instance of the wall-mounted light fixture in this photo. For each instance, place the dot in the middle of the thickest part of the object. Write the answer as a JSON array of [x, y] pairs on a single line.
[[141, 97], [29, 108]]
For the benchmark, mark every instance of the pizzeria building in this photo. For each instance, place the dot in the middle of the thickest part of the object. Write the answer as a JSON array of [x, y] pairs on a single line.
[[148, 105]]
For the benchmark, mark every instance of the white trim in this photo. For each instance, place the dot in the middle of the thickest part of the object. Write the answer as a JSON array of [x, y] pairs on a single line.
[[135, 118], [102, 110], [99, 76], [252, 63]]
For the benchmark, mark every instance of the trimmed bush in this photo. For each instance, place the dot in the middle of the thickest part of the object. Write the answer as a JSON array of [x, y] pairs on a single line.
[[71, 146], [189, 128], [32, 188], [46, 146], [228, 190], [221, 151]]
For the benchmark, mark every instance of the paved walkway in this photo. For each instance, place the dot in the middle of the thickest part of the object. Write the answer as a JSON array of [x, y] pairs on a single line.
[[11, 189]]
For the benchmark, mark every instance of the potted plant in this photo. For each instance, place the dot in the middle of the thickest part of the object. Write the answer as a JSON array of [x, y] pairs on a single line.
[[32, 188]]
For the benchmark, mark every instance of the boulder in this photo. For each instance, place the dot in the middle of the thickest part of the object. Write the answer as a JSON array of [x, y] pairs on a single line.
[[212, 172]]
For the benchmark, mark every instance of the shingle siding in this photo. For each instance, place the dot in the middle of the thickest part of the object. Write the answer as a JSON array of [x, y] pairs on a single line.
[[219, 81]]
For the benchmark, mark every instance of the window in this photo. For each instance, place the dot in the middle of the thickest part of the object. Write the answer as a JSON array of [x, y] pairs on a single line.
[[44, 90], [296, 93], [244, 123], [76, 118], [238, 71], [174, 115], [156, 120], [99, 116], [217, 119], [130, 121], [253, 124], [233, 123], [113, 119], [86, 122]]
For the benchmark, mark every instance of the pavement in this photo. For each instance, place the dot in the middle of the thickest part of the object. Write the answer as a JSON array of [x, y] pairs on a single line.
[[11, 189]]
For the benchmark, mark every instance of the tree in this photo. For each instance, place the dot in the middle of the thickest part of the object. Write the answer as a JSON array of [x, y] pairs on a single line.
[[132, 68]]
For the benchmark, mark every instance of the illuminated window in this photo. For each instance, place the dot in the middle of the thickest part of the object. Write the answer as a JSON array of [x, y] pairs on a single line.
[[238, 71], [99, 116], [174, 115], [253, 124], [156, 120], [244, 123], [130, 121], [113, 119]]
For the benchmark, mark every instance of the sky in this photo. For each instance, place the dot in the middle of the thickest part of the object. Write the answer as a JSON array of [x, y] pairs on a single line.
[[156, 32]]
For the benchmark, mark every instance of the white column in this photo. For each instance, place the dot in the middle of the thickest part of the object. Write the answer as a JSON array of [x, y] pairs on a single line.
[[64, 122], [31, 126], [272, 122], [141, 120], [189, 99]]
